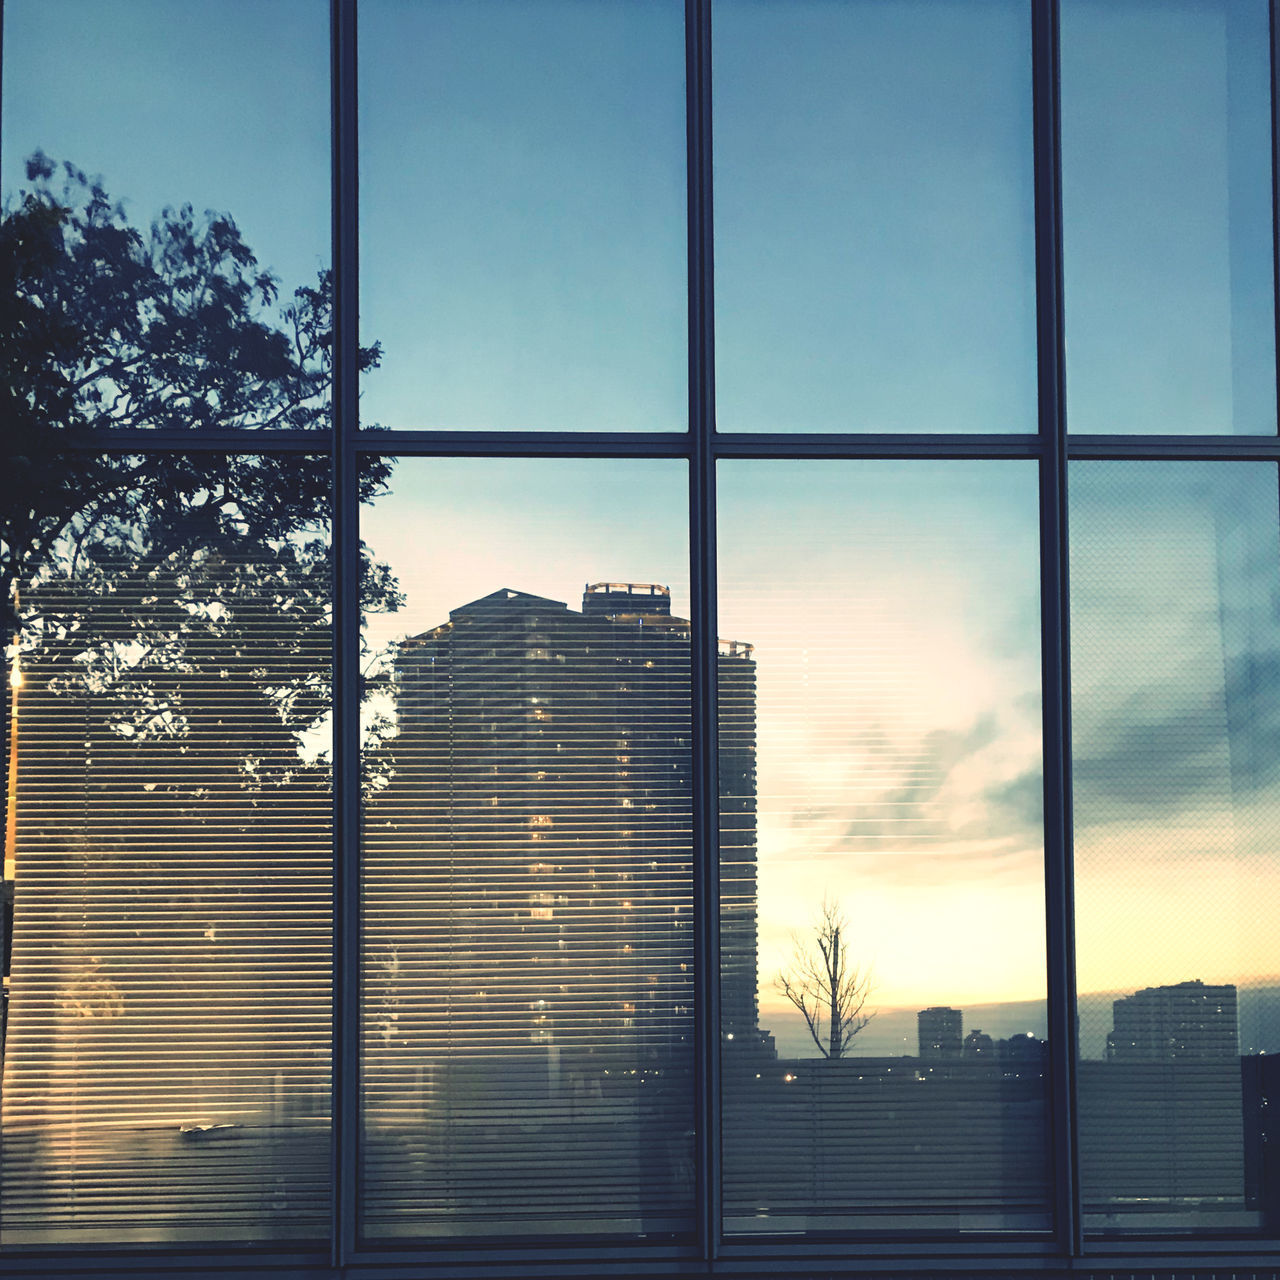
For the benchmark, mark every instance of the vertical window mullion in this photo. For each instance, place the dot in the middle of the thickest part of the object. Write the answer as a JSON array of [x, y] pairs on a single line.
[[1055, 624], [345, 691], [706, 789], [1275, 185]]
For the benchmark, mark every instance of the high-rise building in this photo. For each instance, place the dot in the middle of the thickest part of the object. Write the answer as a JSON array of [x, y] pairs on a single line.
[[1188, 1021], [940, 1029], [528, 869]]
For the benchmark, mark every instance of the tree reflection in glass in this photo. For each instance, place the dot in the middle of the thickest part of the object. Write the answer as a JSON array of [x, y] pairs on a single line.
[[168, 623]]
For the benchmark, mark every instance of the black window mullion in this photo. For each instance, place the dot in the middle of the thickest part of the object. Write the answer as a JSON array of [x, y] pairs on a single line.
[[1151, 448], [1275, 188], [346, 651], [1055, 640], [526, 444], [788, 445], [702, 552]]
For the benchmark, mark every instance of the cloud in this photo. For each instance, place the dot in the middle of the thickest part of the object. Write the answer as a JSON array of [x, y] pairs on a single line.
[[948, 804], [1172, 746]]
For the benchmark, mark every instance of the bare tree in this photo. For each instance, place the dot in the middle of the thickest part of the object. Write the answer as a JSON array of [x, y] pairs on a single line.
[[829, 989]]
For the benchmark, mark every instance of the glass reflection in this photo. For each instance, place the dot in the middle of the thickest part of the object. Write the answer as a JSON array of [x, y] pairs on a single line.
[[168, 859], [169, 104], [527, 934], [890, 616], [1175, 708], [1167, 210], [874, 233], [111, 329], [522, 178]]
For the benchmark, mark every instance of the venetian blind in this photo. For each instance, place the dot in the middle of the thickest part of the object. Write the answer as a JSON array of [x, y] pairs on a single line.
[[166, 1064], [527, 927]]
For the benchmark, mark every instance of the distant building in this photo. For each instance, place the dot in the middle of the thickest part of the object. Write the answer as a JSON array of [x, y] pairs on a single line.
[[1188, 1021], [940, 1030]]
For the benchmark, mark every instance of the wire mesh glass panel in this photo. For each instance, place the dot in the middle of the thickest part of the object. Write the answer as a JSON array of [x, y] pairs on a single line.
[[882, 976], [1175, 630], [168, 861], [875, 255], [522, 215], [527, 926], [1167, 208]]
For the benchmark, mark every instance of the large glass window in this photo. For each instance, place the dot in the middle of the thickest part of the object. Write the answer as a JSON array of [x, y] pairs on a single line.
[[1166, 191], [528, 940], [186, 124], [1176, 637], [168, 856], [873, 201], [897, 1074], [522, 172], [573, 705]]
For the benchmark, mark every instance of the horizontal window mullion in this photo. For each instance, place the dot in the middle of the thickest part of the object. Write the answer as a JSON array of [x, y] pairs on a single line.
[[522, 444], [1153, 1252], [530, 1256], [866, 445], [1173, 448], [675, 445], [845, 1255]]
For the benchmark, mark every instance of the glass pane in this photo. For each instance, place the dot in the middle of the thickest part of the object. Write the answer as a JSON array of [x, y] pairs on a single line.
[[1166, 194], [522, 220], [1175, 637], [882, 670], [175, 309], [527, 934], [168, 857], [875, 257]]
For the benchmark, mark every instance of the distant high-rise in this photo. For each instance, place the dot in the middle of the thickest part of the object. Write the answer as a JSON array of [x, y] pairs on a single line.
[[940, 1029], [536, 834], [1188, 1021]]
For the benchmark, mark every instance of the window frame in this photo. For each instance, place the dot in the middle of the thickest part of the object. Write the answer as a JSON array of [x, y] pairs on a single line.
[[1064, 1249]]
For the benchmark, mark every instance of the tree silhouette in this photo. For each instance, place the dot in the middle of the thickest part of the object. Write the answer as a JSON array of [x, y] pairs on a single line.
[[171, 609], [829, 989], [104, 328]]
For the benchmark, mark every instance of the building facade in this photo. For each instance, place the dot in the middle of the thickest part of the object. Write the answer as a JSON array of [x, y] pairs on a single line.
[[528, 902], [1185, 1022], [940, 1030]]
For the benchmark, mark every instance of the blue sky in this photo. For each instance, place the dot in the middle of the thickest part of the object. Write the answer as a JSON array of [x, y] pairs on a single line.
[[1166, 137], [172, 105], [523, 208], [874, 235], [523, 214]]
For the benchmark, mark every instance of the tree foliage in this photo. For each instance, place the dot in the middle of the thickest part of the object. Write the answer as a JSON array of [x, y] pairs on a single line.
[[104, 328], [830, 990], [166, 586]]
